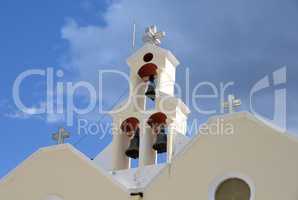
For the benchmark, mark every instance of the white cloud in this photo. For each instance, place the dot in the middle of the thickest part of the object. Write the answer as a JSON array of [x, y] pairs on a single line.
[[27, 114], [218, 40], [10, 111], [92, 48], [55, 118]]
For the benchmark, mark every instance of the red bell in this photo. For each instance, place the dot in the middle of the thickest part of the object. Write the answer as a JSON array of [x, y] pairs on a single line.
[[157, 121]]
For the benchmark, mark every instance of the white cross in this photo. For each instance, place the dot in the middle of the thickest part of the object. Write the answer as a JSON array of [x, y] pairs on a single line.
[[231, 103], [60, 136], [152, 36]]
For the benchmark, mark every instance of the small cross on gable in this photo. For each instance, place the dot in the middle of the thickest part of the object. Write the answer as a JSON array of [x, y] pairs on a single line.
[[60, 136], [231, 103]]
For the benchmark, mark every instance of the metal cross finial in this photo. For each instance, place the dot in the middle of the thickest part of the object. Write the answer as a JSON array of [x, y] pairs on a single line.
[[60, 136], [152, 36], [231, 103]]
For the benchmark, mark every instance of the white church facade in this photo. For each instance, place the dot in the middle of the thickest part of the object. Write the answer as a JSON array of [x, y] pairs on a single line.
[[256, 162]]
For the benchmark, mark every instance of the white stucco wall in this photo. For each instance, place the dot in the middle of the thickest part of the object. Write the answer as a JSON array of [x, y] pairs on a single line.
[[62, 172], [264, 158]]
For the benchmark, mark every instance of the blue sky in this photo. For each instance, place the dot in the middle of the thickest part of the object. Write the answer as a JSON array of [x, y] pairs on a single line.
[[219, 41]]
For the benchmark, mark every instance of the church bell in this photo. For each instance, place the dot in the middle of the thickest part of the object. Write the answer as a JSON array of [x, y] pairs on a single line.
[[150, 93], [160, 144], [133, 149]]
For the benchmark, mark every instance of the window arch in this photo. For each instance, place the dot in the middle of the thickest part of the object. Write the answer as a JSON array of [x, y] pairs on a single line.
[[232, 186]]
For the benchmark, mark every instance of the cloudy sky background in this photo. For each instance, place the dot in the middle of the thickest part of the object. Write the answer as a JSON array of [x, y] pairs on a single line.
[[217, 41]]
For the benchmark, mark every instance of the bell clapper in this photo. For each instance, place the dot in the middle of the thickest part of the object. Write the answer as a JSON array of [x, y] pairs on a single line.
[[150, 93], [133, 149], [160, 144]]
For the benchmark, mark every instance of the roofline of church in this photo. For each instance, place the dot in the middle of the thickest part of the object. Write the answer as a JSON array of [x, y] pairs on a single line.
[[107, 174], [243, 114]]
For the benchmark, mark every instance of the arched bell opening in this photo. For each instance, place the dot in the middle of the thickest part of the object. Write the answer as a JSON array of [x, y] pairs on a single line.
[[148, 74], [158, 124], [130, 127]]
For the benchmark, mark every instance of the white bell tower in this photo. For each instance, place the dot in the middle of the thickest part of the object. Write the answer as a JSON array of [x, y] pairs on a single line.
[[140, 132]]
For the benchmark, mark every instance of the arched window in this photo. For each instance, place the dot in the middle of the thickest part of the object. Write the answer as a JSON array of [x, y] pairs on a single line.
[[233, 188]]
